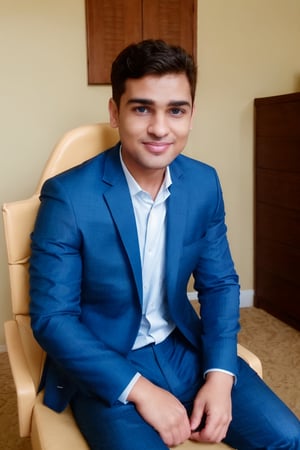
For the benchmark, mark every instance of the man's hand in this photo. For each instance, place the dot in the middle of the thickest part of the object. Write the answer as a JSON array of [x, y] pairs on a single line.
[[214, 401], [162, 410]]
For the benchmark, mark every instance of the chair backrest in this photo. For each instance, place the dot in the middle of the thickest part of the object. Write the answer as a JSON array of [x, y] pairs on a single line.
[[19, 217]]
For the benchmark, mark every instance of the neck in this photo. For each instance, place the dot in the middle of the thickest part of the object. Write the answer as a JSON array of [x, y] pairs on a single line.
[[152, 182]]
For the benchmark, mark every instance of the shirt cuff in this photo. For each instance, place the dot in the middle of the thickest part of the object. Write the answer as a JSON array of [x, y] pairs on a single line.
[[223, 371], [125, 393]]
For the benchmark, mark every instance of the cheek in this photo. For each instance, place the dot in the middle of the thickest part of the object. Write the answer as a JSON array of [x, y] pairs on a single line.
[[182, 134], [182, 128], [132, 127]]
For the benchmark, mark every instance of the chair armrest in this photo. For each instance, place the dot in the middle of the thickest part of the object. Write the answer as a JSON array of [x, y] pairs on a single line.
[[53, 431], [25, 389], [253, 361]]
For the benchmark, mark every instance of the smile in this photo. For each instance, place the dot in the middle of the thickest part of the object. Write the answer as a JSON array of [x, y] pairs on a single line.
[[157, 147]]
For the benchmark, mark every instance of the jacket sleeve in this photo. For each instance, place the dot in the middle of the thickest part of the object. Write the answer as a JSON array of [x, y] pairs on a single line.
[[218, 290], [55, 307]]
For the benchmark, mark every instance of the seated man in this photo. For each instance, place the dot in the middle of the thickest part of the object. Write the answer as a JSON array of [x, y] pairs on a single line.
[[115, 243]]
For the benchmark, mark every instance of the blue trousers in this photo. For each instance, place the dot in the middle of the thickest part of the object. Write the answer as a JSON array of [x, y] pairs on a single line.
[[260, 419]]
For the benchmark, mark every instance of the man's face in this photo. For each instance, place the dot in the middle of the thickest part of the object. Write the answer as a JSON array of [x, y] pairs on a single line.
[[154, 119]]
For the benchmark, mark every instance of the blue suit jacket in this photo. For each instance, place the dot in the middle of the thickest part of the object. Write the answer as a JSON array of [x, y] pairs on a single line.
[[86, 282]]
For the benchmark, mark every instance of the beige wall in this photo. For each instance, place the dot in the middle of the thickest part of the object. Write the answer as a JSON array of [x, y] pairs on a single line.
[[246, 48]]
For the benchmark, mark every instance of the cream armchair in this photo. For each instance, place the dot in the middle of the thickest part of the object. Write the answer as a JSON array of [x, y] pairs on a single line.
[[49, 430]]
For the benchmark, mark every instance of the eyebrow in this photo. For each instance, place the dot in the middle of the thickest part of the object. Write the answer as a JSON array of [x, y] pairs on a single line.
[[145, 101]]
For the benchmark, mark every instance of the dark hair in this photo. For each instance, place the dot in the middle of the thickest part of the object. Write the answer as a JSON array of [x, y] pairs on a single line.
[[151, 57]]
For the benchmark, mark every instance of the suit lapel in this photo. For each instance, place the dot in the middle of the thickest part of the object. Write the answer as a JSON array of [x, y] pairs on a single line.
[[176, 224], [176, 231], [119, 203]]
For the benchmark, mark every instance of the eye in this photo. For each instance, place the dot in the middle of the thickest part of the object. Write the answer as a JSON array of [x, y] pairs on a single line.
[[142, 109], [177, 111]]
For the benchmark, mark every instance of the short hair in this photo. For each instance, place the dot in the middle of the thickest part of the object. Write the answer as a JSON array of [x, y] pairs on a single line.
[[151, 57]]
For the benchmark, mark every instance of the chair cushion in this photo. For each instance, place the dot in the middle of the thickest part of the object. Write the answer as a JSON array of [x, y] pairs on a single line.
[[58, 431]]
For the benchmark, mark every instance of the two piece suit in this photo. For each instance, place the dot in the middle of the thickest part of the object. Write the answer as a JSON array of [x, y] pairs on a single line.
[[86, 283]]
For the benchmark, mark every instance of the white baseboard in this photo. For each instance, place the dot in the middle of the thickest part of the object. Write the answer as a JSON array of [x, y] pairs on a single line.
[[192, 295], [246, 297]]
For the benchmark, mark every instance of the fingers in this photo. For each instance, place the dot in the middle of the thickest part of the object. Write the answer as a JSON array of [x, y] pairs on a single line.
[[176, 428], [198, 418], [176, 434], [214, 430], [164, 412], [214, 400]]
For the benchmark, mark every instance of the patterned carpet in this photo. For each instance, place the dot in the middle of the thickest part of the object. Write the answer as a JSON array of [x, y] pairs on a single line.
[[276, 344]]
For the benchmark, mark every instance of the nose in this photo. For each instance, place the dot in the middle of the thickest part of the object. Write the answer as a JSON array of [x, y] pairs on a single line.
[[158, 126]]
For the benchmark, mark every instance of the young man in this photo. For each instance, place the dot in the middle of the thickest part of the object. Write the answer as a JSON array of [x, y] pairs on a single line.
[[115, 243]]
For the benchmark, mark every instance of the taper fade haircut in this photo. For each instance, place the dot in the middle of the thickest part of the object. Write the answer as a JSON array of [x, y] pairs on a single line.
[[151, 57]]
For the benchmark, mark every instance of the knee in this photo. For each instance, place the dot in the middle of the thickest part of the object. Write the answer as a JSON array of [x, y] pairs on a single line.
[[290, 437], [295, 439]]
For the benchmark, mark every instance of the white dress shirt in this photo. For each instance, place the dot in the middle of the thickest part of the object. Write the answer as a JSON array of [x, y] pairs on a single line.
[[150, 217]]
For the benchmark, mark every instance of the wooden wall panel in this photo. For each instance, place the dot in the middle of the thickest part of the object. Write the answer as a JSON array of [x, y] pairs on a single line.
[[111, 26], [173, 21]]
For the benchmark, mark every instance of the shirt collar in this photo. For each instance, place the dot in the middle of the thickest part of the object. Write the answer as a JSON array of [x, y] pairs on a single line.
[[134, 187]]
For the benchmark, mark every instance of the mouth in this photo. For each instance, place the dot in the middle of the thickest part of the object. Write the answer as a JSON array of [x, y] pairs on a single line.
[[157, 147]]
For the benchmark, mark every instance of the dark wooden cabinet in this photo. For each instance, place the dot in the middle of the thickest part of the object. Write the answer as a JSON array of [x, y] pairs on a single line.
[[277, 206]]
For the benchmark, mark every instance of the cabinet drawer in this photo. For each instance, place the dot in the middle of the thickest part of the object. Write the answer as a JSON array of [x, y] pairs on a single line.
[[282, 261], [278, 188], [278, 224], [278, 117], [278, 297], [282, 154]]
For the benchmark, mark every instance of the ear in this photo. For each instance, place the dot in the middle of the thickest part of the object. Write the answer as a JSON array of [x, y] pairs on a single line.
[[113, 113]]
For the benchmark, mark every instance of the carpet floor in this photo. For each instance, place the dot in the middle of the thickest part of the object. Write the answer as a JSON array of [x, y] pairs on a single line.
[[275, 343]]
